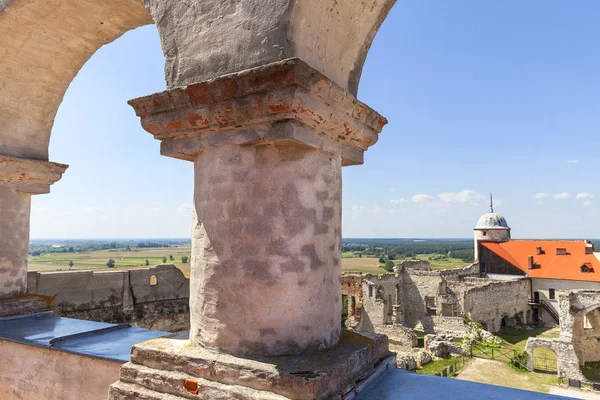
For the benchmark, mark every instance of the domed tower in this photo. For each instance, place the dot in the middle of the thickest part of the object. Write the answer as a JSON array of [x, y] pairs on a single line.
[[491, 227]]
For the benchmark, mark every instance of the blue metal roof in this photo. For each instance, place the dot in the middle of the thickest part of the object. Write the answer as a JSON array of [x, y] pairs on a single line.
[[89, 338], [400, 384]]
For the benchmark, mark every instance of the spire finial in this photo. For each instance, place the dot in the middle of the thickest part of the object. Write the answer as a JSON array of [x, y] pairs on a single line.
[[491, 203]]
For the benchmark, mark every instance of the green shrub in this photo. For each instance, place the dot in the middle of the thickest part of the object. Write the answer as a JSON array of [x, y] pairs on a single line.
[[519, 361]]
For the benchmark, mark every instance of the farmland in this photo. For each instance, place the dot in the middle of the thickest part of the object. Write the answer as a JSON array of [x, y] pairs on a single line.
[[96, 260]]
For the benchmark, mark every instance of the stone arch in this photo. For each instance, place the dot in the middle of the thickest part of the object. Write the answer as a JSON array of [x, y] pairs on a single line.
[[44, 44], [567, 360], [544, 362], [535, 343]]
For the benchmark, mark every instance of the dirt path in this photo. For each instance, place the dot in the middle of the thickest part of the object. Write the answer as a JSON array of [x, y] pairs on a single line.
[[499, 373]]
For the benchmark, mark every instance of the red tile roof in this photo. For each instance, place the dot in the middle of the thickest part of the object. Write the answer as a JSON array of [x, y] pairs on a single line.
[[548, 264]]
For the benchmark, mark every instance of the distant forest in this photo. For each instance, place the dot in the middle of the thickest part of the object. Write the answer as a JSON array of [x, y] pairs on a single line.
[[391, 249], [45, 246], [395, 249]]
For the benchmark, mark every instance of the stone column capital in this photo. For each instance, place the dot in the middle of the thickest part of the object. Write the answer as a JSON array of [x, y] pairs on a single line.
[[29, 176], [235, 109]]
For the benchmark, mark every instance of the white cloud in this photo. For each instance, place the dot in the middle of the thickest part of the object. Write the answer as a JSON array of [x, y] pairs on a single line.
[[539, 196], [399, 201], [185, 208], [421, 198], [588, 203], [584, 195], [357, 207], [573, 161], [461, 197], [561, 196]]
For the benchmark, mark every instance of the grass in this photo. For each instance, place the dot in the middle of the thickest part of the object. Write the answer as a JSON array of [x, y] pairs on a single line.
[[442, 264], [97, 260], [436, 366], [499, 373], [516, 338], [591, 370]]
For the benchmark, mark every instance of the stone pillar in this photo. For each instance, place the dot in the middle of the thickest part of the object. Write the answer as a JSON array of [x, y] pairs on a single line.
[[19, 179], [268, 145]]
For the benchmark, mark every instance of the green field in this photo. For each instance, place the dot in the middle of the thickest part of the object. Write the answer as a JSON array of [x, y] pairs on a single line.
[[96, 260]]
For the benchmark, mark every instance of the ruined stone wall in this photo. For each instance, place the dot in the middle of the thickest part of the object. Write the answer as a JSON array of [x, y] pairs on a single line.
[[432, 301], [379, 298], [491, 302], [589, 349], [123, 296], [454, 324], [352, 287], [471, 270], [417, 287], [419, 265]]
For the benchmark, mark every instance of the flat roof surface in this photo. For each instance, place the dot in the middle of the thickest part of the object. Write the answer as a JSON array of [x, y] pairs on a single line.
[[94, 339], [400, 384]]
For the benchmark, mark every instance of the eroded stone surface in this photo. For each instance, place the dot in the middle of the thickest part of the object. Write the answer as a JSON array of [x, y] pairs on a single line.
[[164, 365], [210, 114], [14, 241], [29, 176], [578, 341], [266, 248], [23, 305]]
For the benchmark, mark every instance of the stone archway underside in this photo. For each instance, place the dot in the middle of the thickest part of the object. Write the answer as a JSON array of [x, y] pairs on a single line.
[[43, 44]]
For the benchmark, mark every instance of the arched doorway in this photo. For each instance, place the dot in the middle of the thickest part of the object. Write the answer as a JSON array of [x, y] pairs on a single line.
[[544, 360]]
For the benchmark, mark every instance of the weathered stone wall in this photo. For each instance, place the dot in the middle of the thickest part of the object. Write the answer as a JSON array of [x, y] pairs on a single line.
[[352, 287], [432, 301], [588, 334], [417, 287], [495, 300], [578, 341], [122, 296], [567, 362], [453, 324], [14, 214], [379, 298], [35, 373], [420, 265], [269, 217]]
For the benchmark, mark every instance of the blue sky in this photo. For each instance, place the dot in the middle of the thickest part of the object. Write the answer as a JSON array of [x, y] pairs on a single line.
[[481, 96]]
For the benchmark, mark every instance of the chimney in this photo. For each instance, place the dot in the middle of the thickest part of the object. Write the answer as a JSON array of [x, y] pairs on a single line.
[[530, 262], [561, 251], [538, 251]]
